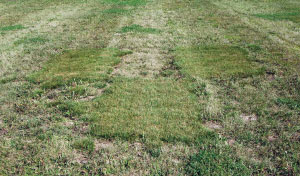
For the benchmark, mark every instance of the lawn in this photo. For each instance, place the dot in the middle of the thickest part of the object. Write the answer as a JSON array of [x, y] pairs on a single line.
[[149, 87]]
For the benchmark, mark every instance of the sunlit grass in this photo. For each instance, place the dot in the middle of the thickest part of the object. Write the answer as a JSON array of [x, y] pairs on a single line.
[[216, 62], [80, 65], [153, 110]]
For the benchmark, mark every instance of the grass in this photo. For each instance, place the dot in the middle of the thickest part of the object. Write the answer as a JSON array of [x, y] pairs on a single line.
[[290, 16], [127, 2], [34, 40], [147, 110], [215, 160], [216, 92], [216, 62], [138, 28], [12, 28], [76, 66]]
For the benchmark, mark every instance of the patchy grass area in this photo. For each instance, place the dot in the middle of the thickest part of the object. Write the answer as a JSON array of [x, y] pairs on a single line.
[[149, 87]]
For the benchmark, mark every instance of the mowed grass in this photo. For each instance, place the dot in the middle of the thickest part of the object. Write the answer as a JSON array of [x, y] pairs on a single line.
[[216, 62], [151, 110], [225, 103], [86, 65]]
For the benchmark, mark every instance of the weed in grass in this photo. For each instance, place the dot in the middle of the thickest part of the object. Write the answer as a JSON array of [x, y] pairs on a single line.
[[77, 91], [139, 28]]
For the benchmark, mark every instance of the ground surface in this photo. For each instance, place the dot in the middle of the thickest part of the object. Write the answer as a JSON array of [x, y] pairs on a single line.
[[149, 87]]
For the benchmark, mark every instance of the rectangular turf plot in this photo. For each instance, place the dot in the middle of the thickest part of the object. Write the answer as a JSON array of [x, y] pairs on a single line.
[[154, 110], [216, 62], [77, 65]]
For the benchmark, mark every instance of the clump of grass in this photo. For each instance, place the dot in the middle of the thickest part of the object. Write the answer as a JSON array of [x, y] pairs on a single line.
[[12, 28], [86, 144], [139, 28], [69, 108], [77, 91], [216, 62]]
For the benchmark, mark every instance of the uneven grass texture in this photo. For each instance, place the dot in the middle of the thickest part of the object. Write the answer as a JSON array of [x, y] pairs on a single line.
[[149, 87]]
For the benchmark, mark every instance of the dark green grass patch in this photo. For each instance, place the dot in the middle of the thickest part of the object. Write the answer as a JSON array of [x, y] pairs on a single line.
[[292, 104], [216, 62], [151, 110], [76, 66], [34, 40], [138, 28], [290, 16], [12, 28]]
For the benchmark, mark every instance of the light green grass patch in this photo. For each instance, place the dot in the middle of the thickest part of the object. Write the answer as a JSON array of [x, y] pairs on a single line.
[[76, 66], [151, 110], [216, 62], [139, 28]]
